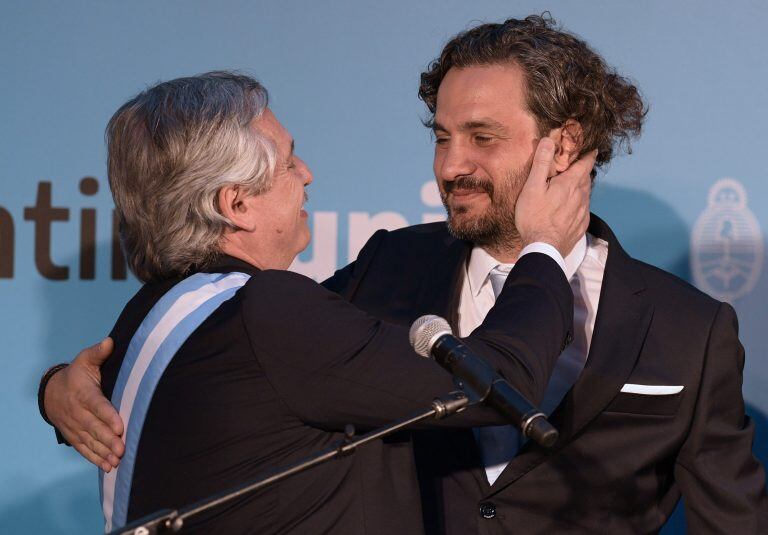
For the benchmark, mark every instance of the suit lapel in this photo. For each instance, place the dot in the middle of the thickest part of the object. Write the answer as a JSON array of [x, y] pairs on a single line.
[[622, 322], [440, 289]]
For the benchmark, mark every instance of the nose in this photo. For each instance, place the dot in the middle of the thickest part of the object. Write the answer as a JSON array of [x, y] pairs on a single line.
[[453, 161], [306, 174]]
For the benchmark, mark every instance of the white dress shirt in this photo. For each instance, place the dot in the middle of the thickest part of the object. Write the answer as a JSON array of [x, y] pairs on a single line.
[[584, 267]]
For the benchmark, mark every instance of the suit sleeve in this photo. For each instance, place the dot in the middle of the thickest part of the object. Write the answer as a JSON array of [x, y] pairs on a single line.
[[332, 364], [344, 282], [532, 319], [723, 485]]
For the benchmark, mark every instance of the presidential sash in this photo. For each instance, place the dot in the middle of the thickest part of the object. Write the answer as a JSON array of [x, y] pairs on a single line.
[[165, 329]]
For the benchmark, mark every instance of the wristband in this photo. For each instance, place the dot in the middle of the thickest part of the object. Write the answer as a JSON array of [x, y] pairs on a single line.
[[41, 390]]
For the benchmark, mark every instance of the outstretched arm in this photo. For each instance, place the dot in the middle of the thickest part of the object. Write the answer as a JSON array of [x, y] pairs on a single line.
[[333, 364]]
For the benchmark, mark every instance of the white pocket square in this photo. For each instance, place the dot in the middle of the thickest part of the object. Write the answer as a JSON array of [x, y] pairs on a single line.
[[651, 390]]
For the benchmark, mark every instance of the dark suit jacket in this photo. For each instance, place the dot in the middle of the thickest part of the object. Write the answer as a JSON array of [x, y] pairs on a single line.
[[623, 459], [274, 375]]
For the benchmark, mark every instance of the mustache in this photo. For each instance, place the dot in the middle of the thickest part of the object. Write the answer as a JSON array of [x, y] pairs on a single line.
[[469, 182]]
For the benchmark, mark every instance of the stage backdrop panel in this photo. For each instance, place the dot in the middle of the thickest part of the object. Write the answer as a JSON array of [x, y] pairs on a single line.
[[343, 77]]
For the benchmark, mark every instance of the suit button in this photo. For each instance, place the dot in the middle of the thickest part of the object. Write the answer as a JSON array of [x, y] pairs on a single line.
[[487, 510]]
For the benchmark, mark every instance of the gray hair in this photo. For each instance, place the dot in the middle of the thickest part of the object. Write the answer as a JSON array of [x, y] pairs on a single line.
[[170, 150]]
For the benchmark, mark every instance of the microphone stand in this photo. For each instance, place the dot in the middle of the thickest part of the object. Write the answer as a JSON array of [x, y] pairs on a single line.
[[172, 520]]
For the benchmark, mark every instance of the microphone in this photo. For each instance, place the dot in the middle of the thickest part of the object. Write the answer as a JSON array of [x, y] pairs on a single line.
[[432, 336]]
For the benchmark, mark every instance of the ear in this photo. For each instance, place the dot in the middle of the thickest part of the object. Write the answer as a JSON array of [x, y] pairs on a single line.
[[568, 142], [233, 206]]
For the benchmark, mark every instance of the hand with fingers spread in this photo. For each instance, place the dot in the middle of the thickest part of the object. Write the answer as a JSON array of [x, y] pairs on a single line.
[[75, 404], [555, 210]]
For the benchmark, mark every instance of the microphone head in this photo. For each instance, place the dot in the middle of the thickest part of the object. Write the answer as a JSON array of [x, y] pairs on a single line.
[[425, 331]]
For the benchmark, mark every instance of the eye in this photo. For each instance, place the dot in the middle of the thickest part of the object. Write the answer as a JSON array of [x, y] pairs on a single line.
[[441, 140], [483, 140]]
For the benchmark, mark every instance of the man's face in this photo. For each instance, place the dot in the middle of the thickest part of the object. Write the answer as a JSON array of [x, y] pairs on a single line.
[[484, 144], [280, 219]]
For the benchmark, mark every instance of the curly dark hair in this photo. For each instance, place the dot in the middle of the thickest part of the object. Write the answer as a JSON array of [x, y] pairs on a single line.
[[565, 79]]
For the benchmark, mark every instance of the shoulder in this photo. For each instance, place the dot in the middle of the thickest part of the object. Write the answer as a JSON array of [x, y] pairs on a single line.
[[274, 284], [286, 315], [416, 240], [278, 296], [679, 298], [137, 308], [403, 249], [667, 292], [274, 304], [132, 315], [426, 231], [388, 254], [664, 282]]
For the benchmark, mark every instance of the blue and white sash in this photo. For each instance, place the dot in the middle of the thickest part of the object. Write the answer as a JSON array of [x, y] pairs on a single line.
[[167, 326]]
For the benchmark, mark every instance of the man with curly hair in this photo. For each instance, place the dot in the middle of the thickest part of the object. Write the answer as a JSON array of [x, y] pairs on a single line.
[[647, 395]]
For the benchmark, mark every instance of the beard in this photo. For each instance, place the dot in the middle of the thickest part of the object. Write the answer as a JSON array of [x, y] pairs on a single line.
[[495, 228]]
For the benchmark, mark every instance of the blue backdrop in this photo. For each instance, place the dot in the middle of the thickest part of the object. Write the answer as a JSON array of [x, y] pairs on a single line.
[[343, 78]]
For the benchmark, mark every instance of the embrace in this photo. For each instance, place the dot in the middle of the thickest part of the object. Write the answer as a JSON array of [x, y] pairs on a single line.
[[639, 371]]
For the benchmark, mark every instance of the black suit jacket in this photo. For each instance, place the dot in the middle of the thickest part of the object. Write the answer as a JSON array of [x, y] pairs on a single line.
[[622, 460], [275, 373]]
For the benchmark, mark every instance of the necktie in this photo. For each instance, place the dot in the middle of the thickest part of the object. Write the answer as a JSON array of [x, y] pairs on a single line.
[[497, 277], [498, 444]]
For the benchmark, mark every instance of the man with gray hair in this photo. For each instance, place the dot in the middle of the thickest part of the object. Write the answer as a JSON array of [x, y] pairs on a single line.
[[226, 365], [200, 156]]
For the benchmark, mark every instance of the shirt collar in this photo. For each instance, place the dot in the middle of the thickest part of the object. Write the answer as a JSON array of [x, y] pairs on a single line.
[[574, 259], [481, 263], [227, 264]]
